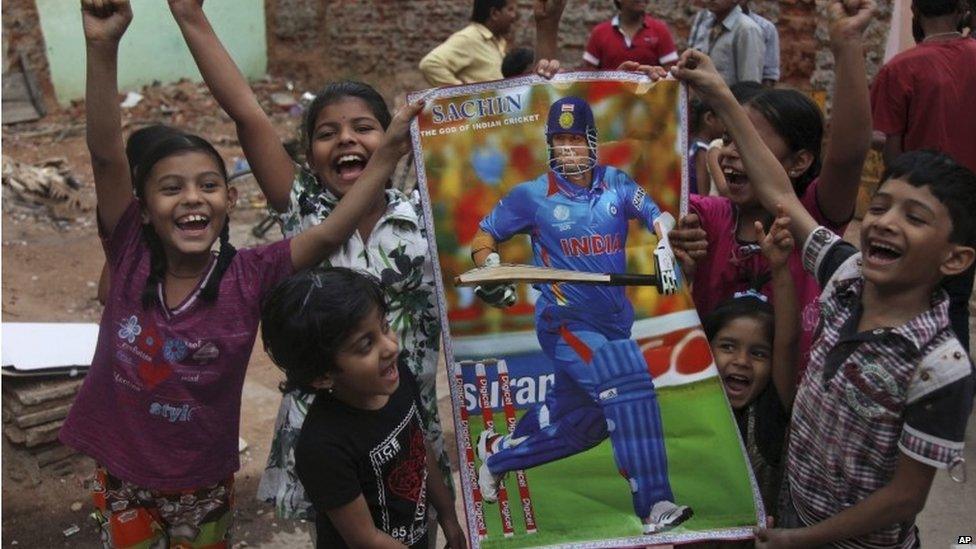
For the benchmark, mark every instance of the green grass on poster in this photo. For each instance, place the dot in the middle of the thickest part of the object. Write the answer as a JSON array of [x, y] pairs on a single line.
[[584, 498]]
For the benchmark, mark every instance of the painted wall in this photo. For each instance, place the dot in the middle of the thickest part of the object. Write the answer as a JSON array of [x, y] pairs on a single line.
[[152, 48]]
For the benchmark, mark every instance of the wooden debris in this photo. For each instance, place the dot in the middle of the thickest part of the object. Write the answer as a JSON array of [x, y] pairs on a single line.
[[33, 393], [33, 436], [53, 453], [22, 101], [29, 416], [33, 413]]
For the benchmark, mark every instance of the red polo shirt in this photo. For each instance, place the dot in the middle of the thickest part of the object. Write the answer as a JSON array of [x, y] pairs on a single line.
[[924, 93], [608, 47]]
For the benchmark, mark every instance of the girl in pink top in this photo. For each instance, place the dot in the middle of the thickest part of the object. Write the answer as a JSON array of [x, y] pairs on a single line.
[[716, 241], [160, 407]]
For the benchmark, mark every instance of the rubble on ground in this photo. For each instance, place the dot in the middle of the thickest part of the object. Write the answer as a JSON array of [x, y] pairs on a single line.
[[56, 190], [49, 185], [185, 104], [33, 412]]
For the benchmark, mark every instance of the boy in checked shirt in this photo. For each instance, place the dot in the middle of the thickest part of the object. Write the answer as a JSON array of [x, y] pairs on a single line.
[[888, 389]]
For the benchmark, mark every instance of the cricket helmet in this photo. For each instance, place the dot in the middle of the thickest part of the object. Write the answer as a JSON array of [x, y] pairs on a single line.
[[571, 115]]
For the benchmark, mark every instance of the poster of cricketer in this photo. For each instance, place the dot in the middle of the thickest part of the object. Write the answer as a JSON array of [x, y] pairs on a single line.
[[587, 406]]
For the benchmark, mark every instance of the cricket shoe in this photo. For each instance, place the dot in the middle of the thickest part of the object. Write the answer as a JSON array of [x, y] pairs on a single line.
[[666, 515], [487, 481]]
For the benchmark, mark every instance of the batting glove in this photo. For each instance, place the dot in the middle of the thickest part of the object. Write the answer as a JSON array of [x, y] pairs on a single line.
[[496, 295], [668, 276]]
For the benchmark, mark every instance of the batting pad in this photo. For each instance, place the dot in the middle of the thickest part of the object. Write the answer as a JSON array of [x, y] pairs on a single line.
[[626, 392]]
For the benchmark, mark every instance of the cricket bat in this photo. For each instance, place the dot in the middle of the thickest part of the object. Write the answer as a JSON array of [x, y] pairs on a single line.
[[666, 279], [511, 272]]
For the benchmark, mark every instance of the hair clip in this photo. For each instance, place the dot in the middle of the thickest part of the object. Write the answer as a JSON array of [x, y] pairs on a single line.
[[750, 293], [316, 283]]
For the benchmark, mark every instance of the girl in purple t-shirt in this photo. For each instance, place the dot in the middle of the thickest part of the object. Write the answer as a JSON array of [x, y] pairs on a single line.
[[716, 241], [160, 408]]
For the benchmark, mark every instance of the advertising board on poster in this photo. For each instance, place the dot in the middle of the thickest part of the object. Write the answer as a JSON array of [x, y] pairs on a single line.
[[587, 413]]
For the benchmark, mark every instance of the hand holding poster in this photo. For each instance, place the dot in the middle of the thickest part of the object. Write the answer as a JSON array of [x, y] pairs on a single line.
[[614, 428]]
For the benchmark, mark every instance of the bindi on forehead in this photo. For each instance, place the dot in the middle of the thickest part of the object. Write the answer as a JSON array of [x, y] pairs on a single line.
[[345, 115]]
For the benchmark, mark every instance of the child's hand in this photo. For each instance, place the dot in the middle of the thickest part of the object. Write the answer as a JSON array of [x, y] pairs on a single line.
[[848, 19], [105, 20], [455, 535], [397, 138], [777, 245], [655, 73], [547, 68], [773, 538], [689, 243], [181, 8], [697, 69]]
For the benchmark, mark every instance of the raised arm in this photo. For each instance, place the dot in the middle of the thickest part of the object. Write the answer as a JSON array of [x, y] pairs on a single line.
[[104, 24], [315, 244], [771, 184], [272, 166], [849, 137], [777, 247], [547, 14]]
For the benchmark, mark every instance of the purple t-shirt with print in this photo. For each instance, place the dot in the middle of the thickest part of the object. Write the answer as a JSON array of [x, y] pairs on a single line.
[[161, 404], [730, 266]]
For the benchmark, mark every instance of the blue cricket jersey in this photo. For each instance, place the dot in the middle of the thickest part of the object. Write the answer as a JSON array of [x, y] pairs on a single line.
[[576, 228]]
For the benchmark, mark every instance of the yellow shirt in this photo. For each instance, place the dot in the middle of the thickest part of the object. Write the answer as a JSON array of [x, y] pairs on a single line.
[[472, 54]]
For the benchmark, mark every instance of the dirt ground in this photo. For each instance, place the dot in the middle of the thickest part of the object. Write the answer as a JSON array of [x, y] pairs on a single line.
[[50, 270], [50, 274]]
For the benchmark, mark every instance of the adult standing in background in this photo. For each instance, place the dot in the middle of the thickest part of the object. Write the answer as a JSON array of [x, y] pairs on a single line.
[[474, 53], [770, 70], [632, 35], [920, 97], [919, 100], [731, 39]]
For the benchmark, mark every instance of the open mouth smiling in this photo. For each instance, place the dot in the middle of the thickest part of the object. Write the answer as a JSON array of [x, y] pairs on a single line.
[[882, 252], [349, 166], [737, 384], [734, 177], [193, 222]]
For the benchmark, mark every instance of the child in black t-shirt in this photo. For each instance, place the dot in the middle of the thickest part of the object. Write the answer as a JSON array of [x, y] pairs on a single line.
[[361, 455]]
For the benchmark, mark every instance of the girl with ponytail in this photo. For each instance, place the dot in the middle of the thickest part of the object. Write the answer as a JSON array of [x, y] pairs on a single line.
[[714, 242], [159, 411]]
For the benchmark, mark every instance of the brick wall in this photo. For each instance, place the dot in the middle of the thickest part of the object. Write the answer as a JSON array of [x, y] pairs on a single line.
[[382, 40]]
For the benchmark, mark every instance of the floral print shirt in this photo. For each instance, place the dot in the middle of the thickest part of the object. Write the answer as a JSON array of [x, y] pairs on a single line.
[[397, 253]]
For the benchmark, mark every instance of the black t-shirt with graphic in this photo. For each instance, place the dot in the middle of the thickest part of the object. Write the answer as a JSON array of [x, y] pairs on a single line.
[[344, 452]]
